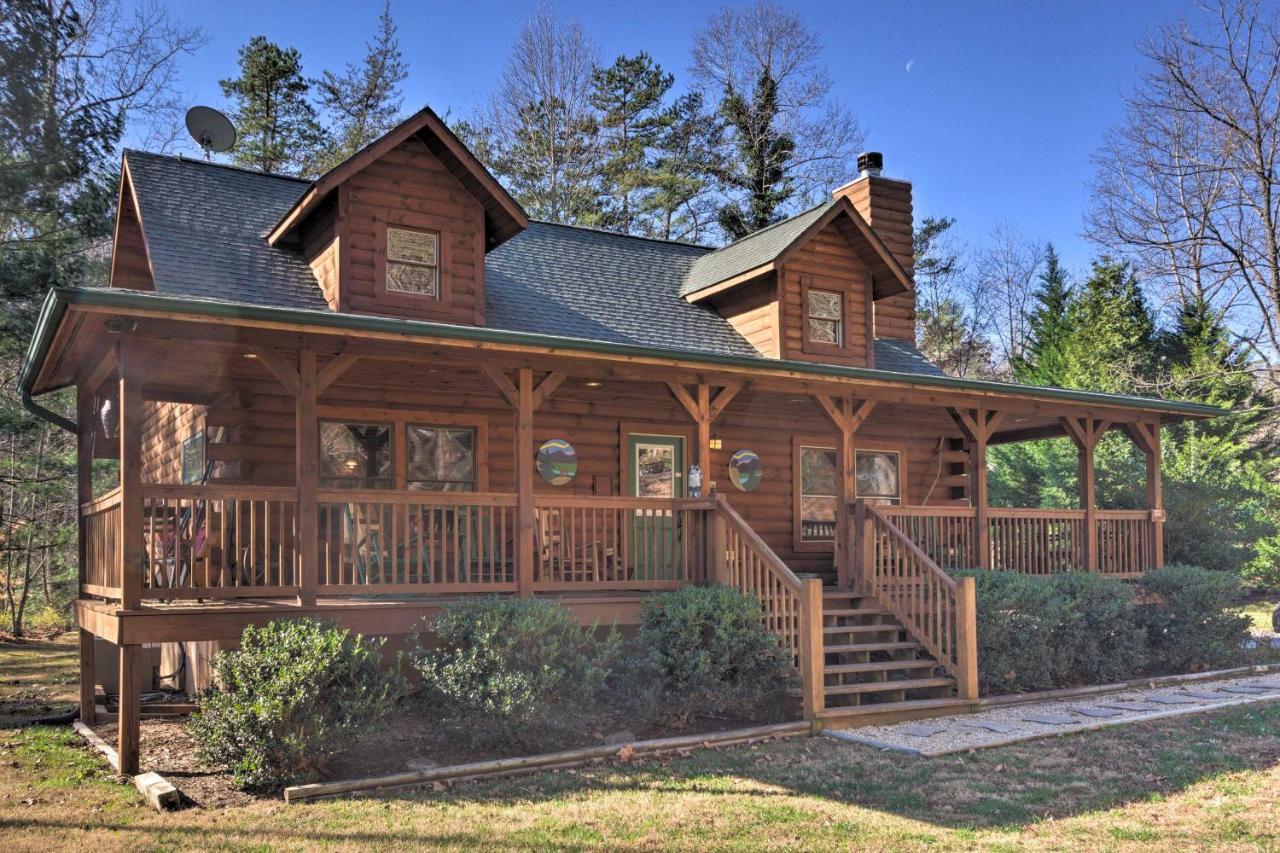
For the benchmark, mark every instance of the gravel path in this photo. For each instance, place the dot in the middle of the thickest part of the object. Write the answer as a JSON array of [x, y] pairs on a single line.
[[998, 726]]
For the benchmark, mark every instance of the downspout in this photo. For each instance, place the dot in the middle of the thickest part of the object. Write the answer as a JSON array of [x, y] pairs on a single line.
[[45, 415]]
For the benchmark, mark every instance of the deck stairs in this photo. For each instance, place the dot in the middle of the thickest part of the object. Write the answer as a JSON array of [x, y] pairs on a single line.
[[873, 670]]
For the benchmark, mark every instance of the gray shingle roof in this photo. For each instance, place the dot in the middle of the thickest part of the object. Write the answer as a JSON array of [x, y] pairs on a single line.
[[751, 251], [205, 226]]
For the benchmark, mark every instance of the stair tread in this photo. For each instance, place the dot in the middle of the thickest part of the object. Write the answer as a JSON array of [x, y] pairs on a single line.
[[856, 611], [889, 707], [861, 629], [871, 647], [885, 686], [879, 666]]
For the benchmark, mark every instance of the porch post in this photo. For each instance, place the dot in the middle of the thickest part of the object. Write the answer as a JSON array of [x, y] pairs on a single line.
[[847, 415], [132, 549], [704, 410], [524, 480], [977, 426], [88, 679], [84, 471], [1147, 439], [127, 721], [307, 465], [1085, 432]]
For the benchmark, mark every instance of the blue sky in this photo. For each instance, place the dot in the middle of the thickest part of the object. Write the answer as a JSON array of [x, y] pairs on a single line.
[[1003, 106]]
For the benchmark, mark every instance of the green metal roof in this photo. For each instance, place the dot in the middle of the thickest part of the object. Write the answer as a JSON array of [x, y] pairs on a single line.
[[59, 299]]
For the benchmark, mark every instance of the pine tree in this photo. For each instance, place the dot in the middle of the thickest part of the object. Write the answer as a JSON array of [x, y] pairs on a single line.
[[629, 97], [680, 206], [277, 126], [365, 99], [1110, 343], [759, 165], [1043, 363]]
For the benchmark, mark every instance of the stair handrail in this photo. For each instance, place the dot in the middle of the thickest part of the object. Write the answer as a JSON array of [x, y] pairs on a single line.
[[791, 606], [937, 610]]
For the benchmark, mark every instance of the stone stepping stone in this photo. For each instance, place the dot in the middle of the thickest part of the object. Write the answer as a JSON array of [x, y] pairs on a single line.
[[1172, 699], [1127, 706], [1095, 711], [998, 726], [921, 729], [1205, 694], [1246, 689], [1051, 719]]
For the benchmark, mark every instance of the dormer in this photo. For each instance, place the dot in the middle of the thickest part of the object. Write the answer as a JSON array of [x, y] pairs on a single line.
[[403, 226], [822, 285]]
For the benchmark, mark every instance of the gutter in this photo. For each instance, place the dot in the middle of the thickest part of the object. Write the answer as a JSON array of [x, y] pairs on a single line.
[[127, 300]]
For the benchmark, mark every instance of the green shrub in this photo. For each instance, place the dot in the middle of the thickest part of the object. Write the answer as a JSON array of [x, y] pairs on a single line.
[[1016, 622], [709, 653], [294, 694], [1097, 635], [1191, 628], [512, 669]]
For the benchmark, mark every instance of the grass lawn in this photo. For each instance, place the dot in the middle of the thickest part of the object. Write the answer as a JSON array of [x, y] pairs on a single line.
[[1259, 613], [1201, 781]]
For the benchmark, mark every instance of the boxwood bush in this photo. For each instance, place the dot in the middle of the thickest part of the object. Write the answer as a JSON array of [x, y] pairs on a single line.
[[512, 670], [1188, 626], [707, 652], [295, 693]]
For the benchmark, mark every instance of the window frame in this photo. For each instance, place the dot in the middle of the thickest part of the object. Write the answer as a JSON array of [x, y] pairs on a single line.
[[817, 347], [400, 419], [359, 421], [798, 444], [475, 461], [443, 297]]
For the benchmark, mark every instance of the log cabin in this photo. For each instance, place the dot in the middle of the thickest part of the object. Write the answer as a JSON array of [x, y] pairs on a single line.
[[364, 396]]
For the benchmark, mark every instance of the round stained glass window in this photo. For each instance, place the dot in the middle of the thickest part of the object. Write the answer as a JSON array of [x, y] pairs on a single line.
[[746, 470], [557, 461]]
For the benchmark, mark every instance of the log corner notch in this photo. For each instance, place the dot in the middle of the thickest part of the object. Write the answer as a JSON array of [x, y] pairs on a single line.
[[525, 398], [1146, 436], [978, 426], [848, 415], [704, 409], [1085, 433]]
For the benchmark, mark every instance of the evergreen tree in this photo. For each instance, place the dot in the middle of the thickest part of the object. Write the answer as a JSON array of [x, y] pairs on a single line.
[[683, 174], [277, 126], [1110, 340], [365, 99], [761, 152], [1043, 361], [629, 97]]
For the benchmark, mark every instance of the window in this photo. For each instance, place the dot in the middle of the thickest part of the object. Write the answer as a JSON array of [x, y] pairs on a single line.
[[440, 459], [878, 475], [557, 461], [826, 317], [193, 464], [819, 488], [355, 455], [412, 263]]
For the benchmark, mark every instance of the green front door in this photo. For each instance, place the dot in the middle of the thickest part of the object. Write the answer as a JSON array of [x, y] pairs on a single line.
[[657, 471]]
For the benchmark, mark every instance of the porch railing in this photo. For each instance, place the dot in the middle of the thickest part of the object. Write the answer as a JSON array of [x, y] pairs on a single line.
[[1030, 541], [101, 529], [938, 611]]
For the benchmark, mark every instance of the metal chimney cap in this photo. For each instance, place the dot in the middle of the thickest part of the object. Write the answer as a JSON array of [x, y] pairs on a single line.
[[870, 163]]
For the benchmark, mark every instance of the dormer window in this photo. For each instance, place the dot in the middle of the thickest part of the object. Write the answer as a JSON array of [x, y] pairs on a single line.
[[412, 262], [826, 318]]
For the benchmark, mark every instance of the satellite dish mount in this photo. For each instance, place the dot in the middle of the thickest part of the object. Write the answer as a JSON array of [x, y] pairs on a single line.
[[211, 130]]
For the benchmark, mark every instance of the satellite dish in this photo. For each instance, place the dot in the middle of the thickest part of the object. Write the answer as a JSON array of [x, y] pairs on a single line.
[[211, 130]]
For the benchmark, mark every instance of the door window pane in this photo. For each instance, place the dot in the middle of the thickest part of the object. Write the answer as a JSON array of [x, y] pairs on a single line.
[[819, 488], [655, 471], [877, 473], [441, 459], [355, 455]]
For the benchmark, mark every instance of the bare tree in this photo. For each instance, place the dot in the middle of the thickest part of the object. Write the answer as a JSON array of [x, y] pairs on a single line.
[[539, 130], [1187, 186], [738, 45], [1001, 290]]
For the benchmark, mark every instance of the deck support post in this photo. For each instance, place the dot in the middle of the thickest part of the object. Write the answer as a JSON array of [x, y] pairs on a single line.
[[967, 639], [978, 426], [812, 657], [130, 710], [863, 546], [848, 415], [1085, 433], [307, 463], [524, 481], [132, 552], [88, 679], [717, 563], [1147, 438], [85, 426]]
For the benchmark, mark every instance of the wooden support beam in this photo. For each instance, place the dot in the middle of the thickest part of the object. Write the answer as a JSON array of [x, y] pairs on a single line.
[[132, 550], [1147, 438], [1085, 432], [276, 364], [703, 409], [86, 431], [967, 639], [333, 371], [723, 399], [524, 481], [101, 372], [978, 426], [307, 471], [129, 716], [503, 384], [547, 387], [88, 679], [848, 416], [812, 658]]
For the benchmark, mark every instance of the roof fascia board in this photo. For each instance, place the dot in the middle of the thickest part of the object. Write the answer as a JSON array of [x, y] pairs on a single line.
[[126, 181], [697, 296]]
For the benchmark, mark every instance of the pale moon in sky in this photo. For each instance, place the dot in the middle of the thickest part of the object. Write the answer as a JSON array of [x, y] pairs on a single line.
[[910, 62]]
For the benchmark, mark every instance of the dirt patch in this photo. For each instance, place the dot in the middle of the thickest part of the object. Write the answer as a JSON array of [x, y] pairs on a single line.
[[168, 749]]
